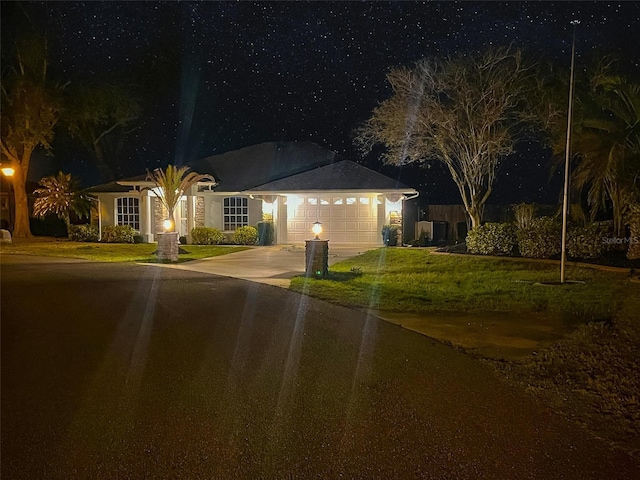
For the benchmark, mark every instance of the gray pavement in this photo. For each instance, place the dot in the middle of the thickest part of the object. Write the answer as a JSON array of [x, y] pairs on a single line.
[[129, 371], [275, 265]]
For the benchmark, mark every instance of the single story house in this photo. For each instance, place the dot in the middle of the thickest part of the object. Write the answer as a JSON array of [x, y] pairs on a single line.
[[292, 184]]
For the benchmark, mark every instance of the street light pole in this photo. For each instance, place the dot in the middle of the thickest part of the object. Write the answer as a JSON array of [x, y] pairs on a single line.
[[567, 151], [8, 172]]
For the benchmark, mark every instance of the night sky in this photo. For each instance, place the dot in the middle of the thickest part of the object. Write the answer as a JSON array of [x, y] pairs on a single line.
[[217, 76]]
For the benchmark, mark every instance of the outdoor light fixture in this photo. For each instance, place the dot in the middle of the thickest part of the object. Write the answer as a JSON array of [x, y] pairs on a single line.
[[317, 229], [8, 171], [168, 225]]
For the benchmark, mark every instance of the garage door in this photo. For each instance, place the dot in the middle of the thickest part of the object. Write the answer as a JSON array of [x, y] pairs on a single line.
[[344, 218]]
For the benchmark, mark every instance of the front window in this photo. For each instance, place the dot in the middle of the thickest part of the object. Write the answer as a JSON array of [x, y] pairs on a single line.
[[236, 212], [128, 212]]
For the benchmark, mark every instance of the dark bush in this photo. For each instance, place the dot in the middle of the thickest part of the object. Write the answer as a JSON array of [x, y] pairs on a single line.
[[590, 241], [138, 239], [492, 239], [118, 234], [182, 240], [84, 233], [390, 235], [206, 236], [265, 233], [49, 226], [245, 236], [542, 239]]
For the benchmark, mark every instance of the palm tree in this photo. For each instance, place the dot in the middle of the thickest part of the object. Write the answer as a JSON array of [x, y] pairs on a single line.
[[59, 195], [171, 185], [606, 140]]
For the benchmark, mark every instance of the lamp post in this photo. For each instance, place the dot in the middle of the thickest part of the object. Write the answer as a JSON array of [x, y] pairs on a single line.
[[317, 254], [567, 156], [9, 172]]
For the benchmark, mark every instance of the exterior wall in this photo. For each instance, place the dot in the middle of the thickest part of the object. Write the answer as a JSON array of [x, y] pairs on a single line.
[[200, 212]]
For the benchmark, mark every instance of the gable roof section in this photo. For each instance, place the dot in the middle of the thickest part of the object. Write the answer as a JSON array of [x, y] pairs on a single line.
[[249, 167], [343, 175]]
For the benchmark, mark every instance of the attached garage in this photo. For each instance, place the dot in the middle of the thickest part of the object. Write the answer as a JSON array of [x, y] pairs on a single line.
[[345, 217]]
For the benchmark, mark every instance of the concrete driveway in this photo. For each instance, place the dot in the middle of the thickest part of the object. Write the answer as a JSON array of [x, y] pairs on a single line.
[[275, 265]]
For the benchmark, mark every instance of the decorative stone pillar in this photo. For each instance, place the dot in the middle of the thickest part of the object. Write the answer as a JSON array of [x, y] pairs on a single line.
[[168, 246], [317, 258]]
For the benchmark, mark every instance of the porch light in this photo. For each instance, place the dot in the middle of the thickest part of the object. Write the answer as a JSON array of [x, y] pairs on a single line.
[[8, 171], [317, 229], [168, 225]]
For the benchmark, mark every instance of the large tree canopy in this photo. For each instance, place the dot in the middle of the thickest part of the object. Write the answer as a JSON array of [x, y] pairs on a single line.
[[100, 116], [30, 111], [466, 111]]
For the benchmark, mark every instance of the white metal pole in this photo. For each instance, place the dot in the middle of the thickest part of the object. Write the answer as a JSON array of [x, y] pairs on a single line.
[[567, 155]]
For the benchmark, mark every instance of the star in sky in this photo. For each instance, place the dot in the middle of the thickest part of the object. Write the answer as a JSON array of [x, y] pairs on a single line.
[[217, 76]]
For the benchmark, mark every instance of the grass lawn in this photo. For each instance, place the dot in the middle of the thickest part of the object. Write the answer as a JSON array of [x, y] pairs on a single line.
[[417, 281], [112, 252]]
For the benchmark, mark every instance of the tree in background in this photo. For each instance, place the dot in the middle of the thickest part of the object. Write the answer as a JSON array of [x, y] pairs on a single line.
[[59, 195], [467, 112], [30, 111], [606, 142], [172, 183], [100, 116]]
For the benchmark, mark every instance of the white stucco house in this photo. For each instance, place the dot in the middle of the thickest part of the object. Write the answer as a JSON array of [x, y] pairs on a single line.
[[293, 184]]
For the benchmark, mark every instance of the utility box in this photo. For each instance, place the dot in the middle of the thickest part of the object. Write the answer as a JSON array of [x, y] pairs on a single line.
[[317, 258]]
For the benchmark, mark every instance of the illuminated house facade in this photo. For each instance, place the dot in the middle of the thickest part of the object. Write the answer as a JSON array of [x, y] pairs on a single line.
[[292, 184]]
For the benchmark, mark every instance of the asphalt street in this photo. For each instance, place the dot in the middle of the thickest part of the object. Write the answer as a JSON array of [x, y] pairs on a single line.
[[135, 371]]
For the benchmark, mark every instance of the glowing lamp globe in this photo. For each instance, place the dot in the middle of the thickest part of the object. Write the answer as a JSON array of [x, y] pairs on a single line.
[[168, 225], [317, 229]]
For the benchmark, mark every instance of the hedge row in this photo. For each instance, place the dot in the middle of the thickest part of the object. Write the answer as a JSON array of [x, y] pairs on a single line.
[[541, 238]]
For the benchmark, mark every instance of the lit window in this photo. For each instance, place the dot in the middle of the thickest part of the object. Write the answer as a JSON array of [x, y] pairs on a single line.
[[364, 200], [235, 213], [312, 201], [338, 201], [324, 201], [351, 200], [128, 212]]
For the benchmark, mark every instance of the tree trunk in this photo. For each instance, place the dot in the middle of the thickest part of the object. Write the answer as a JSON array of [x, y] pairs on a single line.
[[105, 171], [21, 228]]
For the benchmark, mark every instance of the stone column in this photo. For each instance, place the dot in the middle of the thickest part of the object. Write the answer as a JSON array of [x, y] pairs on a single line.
[[317, 258], [168, 246]]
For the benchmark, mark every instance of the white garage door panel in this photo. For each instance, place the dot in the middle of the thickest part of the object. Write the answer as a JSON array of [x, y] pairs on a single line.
[[341, 222]]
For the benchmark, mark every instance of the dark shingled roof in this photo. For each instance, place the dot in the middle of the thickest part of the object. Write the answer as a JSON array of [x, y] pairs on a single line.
[[344, 175], [251, 166], [280, 166]]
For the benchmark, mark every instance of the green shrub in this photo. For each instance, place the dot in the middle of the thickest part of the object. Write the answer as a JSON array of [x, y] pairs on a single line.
[[541, 239], [206, 236], [182, 240], [83, 233], [118, 234], [245, 236], [390, 235], [524, 214], [422, 241], [265, 233], [587, 242], [138, 238], [492, 239]]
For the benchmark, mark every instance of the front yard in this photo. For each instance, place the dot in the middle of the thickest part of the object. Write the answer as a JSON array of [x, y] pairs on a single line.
[[111, 252]]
